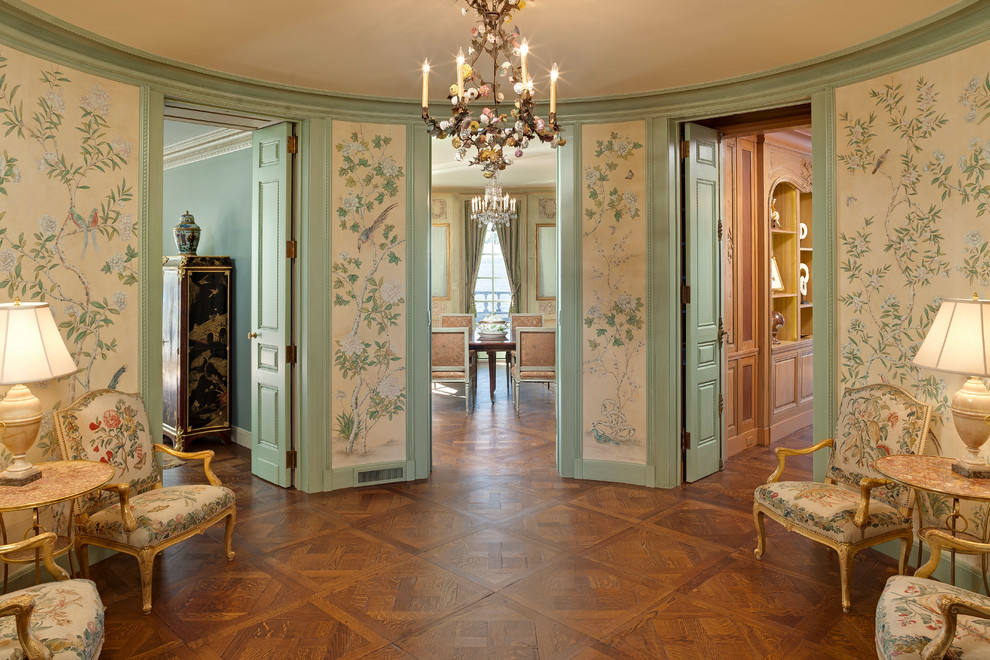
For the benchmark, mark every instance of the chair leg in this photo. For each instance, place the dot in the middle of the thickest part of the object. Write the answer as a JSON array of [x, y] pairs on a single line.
[[905, 555], [82, 554], [146, 562], [845, 569], [761, 535], [228, 535]]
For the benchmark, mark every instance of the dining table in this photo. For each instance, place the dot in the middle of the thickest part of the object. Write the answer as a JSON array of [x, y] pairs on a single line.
[[492, 347]]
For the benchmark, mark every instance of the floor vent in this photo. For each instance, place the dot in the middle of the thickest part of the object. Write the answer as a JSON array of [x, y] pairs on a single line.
[[381, 476]]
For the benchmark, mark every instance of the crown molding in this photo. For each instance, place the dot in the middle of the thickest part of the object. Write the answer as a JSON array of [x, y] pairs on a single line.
[[209, 145]]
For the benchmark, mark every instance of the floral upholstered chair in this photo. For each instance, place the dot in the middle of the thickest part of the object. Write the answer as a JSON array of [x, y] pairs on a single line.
[[536, 358], [519, 321], [451, 361], [855, 507], [134, 514], [921, 618], [61, 620]]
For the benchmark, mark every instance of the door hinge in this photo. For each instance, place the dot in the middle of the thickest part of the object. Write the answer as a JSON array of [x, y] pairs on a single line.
[[722, 332], [290, 459], [291, 249], [721, 403], [292, 145], [720, 229], [685, 294], [685, 440], [290, 354], [685, 149]]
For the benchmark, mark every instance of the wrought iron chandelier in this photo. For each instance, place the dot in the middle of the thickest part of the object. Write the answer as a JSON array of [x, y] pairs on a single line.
[[494, 134], [495, 208]]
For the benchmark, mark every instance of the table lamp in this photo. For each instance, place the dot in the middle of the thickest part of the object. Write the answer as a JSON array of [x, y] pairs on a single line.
[[31, 350], [958, 342]]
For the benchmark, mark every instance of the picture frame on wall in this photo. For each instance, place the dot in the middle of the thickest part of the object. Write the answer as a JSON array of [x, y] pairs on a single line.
[[439, 261]]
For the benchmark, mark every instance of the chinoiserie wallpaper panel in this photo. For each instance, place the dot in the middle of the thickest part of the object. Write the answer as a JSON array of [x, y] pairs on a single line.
[[613, 164], [368, 293], [69, 218], [913, 226]]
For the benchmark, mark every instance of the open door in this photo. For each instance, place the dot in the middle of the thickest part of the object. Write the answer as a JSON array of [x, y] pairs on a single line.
[[271, 352], [703, 303]]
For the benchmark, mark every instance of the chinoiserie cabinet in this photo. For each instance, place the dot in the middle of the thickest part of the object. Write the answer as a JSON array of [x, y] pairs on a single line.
[[196, 348]]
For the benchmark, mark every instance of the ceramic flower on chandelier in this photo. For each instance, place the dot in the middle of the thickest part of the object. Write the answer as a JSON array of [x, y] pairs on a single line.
[[497, 132]]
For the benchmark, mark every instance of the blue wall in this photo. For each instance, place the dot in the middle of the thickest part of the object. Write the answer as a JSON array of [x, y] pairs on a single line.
[[217, 191]]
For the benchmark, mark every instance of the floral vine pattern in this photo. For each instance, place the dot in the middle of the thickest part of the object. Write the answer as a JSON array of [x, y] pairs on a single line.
[[614, 323], [368, 289], [912, 179], [66, 236]]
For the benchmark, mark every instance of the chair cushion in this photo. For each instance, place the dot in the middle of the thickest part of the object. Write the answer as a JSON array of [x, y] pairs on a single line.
[[160, 514], [908, 618], [448, 375], [534, 375], [828, 510], [67, 618]]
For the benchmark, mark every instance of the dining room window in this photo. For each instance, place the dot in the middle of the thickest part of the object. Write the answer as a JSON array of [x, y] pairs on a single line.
[[491, 291]]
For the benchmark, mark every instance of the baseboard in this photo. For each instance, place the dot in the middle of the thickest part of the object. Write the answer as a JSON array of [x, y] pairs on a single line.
[[240, 436], [968, 576], [636, 474]]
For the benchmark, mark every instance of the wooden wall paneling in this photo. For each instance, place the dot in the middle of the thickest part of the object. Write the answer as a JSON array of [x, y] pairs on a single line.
[[806, 365], [785, 382]]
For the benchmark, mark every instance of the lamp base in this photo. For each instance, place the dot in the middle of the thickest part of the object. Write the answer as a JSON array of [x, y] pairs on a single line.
[[971, 471], [22, 480]]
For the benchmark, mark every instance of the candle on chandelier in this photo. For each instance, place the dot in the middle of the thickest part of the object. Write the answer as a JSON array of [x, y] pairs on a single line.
[[426, 83], [460, 73], [523, 51], [553, 89]]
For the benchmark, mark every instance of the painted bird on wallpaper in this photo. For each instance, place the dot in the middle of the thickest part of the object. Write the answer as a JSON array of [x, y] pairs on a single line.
[[880, 160], [366, 234], [87, 227]]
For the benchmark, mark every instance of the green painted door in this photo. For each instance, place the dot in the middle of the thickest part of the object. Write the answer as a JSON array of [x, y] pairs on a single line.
[[702, 311], [271, 304]]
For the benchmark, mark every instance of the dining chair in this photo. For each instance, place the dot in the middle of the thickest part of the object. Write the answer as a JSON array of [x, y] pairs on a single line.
[[536, 358], [451, 361], [135, 514], [458, 321], [519, 321], [855, 507]]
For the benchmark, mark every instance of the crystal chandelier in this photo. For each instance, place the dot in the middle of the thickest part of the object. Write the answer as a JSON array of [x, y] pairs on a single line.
[[495, 208], [494, 134]]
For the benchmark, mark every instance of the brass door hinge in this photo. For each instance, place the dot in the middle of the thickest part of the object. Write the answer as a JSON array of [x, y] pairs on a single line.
[[292, 145], [721, 403], [720, 229], [685, 294], [291, 249], [290, 354], [290, 459], [685, 440], [685, 149]]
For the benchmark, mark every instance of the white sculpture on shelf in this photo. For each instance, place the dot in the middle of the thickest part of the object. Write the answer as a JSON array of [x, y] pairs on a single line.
[[803, 276]]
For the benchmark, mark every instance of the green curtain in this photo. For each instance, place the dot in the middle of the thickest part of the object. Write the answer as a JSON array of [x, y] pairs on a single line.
[[510, 236], [474, 240]]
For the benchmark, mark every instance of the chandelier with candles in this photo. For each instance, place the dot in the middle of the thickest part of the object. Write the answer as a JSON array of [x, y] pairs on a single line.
[[493, 133], [495, 208]]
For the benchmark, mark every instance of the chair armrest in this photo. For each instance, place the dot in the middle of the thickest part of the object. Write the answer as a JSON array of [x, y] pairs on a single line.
[[951, 607], [44, 542], [126, 515], [21, 607], [939, 539], [783, 452], [206, 456], [866, 486]]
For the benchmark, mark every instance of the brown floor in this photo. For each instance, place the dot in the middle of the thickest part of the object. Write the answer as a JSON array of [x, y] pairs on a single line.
[[495, 556]]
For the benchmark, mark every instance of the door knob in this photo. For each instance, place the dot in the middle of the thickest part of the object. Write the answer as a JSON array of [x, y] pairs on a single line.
[[252, 335]]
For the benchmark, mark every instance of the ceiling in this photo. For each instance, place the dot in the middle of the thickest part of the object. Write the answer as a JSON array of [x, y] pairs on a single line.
[[604, 48]]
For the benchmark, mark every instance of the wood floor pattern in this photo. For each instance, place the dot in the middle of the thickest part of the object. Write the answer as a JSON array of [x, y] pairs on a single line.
[[495, 556]]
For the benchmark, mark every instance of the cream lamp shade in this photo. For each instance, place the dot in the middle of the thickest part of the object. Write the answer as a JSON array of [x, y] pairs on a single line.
[[31, 350], [958, 342]]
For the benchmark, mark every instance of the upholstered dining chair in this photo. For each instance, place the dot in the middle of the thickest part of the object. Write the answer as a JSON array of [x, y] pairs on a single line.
[[61, 620], [536, 358], [458, 321], [855, 507], [519, 321], [135, 514], [918, 617], [451, 362]]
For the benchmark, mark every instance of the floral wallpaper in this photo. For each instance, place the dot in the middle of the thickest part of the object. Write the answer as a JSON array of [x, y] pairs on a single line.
[[68, 217], [613, 161], [913, 223], [368, 294]]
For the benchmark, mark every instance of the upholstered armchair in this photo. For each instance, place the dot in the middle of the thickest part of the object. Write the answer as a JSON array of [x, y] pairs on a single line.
[[451, 361], [61, 620], [519, 321], [855, 507], [922, 618], [135, 514], [536, 358]]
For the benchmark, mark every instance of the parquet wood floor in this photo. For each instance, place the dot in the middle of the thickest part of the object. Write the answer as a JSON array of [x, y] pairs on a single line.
[[495, 556]]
